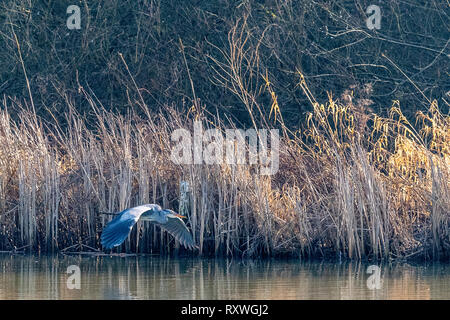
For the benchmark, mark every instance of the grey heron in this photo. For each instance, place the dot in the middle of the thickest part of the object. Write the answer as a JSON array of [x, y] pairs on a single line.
[[118, 229]]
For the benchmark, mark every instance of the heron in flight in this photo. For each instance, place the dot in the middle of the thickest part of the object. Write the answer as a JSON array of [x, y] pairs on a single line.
[[118, 229]]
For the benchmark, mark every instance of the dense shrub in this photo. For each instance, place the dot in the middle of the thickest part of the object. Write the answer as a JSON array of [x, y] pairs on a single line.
[[328, 41]]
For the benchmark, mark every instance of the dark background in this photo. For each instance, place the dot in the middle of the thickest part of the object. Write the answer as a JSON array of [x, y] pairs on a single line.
[[327, 41]]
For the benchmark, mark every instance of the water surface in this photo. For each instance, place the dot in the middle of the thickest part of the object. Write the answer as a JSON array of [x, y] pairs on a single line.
[[154, 277]]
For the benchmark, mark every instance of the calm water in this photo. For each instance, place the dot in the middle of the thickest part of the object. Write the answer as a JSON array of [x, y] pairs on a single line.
[[150, 277]]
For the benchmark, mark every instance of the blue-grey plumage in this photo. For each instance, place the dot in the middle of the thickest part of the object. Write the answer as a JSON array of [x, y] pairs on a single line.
[[118, 229]]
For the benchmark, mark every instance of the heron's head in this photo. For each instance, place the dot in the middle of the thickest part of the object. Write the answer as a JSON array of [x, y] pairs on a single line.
[[174, 214]]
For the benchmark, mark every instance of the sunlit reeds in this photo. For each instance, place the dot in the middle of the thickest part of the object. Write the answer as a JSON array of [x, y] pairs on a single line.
[[351, 184]]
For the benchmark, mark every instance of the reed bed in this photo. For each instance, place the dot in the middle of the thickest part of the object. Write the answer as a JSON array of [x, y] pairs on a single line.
[[351, 184]]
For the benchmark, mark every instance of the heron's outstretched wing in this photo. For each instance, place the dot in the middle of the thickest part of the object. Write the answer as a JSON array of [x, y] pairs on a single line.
[[176, 227], [118, 229]]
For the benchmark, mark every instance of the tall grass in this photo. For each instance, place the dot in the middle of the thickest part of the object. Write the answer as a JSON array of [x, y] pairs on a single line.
[[351, 184]]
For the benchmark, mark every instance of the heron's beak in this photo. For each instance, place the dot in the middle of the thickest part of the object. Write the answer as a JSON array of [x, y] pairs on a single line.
[[180, 216]]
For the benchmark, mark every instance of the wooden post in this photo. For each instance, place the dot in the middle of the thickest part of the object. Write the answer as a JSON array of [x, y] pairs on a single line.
[[183, 207]]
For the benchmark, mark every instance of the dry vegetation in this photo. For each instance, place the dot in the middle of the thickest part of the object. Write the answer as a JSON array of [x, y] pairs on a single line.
[[352, 183]]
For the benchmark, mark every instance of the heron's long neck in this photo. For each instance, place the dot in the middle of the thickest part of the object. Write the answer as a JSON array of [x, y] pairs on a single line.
[[148, 216]]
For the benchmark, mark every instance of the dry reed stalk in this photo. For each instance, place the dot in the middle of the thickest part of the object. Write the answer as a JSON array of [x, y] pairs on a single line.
[[343, 191]]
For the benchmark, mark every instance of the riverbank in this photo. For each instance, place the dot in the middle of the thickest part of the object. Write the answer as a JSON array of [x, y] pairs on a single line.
[[350, 184], [96, 100]]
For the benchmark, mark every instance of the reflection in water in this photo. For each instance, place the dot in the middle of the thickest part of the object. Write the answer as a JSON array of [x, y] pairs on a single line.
[[149, 277]]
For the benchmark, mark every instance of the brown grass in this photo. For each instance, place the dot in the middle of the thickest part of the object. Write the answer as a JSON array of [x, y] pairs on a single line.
[[350, 184]]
